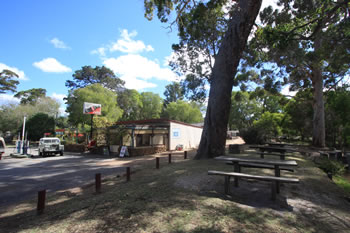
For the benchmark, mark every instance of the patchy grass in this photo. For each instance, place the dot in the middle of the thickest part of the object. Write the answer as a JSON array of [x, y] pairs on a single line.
[[343, 183], [181, 197]]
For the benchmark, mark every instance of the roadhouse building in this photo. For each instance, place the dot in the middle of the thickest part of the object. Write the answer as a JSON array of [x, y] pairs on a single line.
[[170, 134]]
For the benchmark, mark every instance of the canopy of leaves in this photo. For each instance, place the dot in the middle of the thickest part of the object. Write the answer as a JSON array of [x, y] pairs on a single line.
[[11, 116], [30, 96], [183, 111], [173, 92], [39, 124], [130, 101], [7, 83], [94, 93], [101, 75], [151, 105], [300, 36]]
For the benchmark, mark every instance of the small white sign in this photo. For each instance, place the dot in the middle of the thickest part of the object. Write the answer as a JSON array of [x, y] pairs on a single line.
[[122, 151]]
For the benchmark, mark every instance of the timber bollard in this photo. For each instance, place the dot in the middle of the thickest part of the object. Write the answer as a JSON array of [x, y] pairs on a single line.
[[185, 154], [41, 202], [157, 162], [169, 158], [98, 182], [128, 174]]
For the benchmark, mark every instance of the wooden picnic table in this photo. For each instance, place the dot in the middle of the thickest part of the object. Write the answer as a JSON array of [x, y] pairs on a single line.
[[277, 149], [276, 163]]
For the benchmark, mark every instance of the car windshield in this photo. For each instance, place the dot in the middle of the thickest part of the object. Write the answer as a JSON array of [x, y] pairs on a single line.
[[51, 141]]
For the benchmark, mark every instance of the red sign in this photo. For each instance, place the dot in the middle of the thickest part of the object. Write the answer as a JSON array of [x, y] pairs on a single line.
[[91, 108]]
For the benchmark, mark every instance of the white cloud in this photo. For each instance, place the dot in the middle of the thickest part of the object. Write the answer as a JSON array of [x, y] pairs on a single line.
[[127, 45], [8, 99], [57, 43], [58, 97], [51, 65], [135, 70], [285, 91], [100, 51], [20, 73]]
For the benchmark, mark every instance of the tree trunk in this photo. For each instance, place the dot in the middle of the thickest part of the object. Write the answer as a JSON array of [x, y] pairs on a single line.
[[213, 138], [318, 132]]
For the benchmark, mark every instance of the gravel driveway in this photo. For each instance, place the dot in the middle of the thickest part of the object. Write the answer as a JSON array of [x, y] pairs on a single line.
[[21, 179]]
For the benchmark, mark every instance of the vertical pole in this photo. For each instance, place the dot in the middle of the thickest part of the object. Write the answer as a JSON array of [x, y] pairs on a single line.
[[41, 202], [98, 182], [157, 162], [169, 158], [92, 122], [185, 154], [23, 129], [128, 174]]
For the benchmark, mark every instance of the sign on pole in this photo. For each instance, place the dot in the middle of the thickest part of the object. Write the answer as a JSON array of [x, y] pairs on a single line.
[[92, 109]]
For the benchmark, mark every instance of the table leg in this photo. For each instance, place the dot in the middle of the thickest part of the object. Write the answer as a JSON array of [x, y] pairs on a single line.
[[227, 184], [277, 174], [261, 153], [236, 169]]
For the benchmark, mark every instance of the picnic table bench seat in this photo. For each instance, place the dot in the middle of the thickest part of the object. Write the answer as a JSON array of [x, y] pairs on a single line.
[[255, 165], [275, 181]]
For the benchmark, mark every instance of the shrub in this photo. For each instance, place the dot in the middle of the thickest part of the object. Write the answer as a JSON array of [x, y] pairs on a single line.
[[252, 135], [331, 166]]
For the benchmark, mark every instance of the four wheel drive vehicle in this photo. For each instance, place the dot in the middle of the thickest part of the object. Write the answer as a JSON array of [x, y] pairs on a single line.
[[2, 146], [49, 146]]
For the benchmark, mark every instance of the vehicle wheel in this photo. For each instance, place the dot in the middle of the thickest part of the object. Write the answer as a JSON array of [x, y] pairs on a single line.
[[61, 153], [44, 154]]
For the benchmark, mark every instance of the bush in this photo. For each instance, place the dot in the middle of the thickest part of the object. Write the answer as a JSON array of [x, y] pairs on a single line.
[[252, 135], [331, 166]]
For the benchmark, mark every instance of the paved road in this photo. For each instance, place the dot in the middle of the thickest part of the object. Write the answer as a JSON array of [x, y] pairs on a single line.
[[21, 179]]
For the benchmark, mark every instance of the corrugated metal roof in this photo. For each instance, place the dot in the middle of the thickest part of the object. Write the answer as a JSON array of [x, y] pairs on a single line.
[[154, 121]]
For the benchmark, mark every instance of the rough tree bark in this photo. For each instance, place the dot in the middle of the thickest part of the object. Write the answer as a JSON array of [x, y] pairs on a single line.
[[213, 138], [319, 131]]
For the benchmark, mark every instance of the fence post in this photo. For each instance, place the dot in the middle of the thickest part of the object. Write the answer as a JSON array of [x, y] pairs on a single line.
[[185, 154], [128, 174], [169, 158], [41, 202], [157, 162], [98, 182]]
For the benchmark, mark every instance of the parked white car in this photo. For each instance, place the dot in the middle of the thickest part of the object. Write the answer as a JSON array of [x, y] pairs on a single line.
[[48, 146], [2, 146]]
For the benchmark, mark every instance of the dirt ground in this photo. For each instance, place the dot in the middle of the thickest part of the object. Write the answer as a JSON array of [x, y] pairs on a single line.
[[183, 198]]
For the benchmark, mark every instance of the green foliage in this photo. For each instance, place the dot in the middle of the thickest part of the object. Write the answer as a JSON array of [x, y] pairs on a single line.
[[244, 110], [270, 124], [173, 92], [11, 116], [7, 83], [183, 111], [252, 135], [331, 166], [299, 113], [94, 93], [98, 75], [338, 117], [39, 124], [151, 105], [31, 96], [130, 101]]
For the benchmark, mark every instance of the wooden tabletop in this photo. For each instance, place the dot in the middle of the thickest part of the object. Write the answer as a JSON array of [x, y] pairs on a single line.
[[260, 161], [273, 148]]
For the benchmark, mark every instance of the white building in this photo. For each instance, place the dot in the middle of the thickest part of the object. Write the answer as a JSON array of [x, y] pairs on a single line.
[[158, 132]]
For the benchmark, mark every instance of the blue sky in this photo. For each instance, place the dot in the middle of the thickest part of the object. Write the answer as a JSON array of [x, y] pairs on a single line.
[[44, 42]]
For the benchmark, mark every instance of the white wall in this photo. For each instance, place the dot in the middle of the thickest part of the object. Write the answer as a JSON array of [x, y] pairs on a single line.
[[186, 135]]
